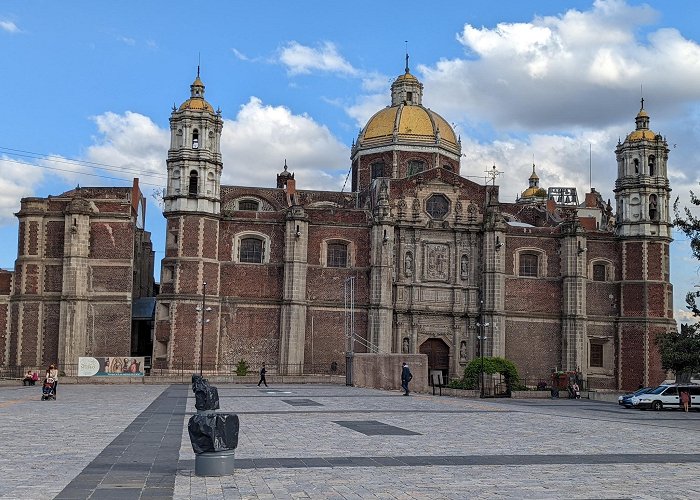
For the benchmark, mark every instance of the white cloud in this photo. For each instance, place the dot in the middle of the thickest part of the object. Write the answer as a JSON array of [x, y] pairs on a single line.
[[130, 141], [256, 143], [9, 26], [301, 59], [576, 69], [127, 40], [239, 55], [16, 182]]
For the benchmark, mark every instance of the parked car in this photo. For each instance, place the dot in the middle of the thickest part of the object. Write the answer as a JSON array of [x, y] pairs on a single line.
[[626, 399], [667, 396]]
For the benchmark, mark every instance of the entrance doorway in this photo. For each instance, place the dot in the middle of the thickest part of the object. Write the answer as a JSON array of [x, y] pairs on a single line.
[[438, 356]]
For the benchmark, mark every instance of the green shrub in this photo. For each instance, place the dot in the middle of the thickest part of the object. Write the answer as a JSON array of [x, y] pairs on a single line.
[[491, 366], [242, 368]]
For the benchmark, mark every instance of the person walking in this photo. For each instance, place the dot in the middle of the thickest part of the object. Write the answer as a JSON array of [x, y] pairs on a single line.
[[406, 377], [262, 376], [685, 399]]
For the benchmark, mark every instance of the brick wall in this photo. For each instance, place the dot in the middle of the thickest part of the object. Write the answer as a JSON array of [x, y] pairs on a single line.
[[252, 281], [633, 261], [111, 278], [109, 325], [53, 278], [326, 342], [52, 317], [520, 296], [534, 347], [598, 301], [633, 299], [655, 264], [190, 236], [54, 239], [31, 279], [250, 333], [111, 240], [632, 357]]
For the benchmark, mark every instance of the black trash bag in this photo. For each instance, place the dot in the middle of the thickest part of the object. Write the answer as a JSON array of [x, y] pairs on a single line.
[[213, 432], [206, 396]]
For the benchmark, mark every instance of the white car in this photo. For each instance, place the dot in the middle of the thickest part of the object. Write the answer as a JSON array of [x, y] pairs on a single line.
[[667, 396]]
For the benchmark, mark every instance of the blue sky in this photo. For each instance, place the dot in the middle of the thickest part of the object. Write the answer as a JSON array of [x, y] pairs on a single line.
[[95, 81]]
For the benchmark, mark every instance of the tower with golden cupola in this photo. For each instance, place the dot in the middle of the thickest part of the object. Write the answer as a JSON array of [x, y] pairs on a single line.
[[643, 227], [194, 158]]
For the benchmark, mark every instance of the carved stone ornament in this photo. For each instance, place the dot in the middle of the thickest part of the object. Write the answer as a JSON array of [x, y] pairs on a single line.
[[408, 264], [437, 261]]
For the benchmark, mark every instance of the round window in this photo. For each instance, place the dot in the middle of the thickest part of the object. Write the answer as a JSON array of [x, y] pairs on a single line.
[[438, 206]]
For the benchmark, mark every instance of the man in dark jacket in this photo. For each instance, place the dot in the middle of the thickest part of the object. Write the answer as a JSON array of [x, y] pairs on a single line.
[[262, 376], [406, 377]]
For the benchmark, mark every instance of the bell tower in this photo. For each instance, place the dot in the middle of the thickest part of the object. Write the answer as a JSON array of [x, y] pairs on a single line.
[[642, 189], [643, 227], [194, 158]]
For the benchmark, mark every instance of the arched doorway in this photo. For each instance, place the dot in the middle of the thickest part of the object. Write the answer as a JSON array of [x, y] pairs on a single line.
[[438, 356]]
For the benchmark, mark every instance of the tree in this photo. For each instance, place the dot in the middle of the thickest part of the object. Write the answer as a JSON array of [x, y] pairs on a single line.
[[685, 221], [680, 351]]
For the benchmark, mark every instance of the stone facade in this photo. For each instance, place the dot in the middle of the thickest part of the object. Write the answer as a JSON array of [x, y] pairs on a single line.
[[83, 257], [416, 259]]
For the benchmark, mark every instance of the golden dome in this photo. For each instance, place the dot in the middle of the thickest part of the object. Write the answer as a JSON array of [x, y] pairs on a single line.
[[406, 76], [641, 135], [196, 104], [410, 122], [533, 192]]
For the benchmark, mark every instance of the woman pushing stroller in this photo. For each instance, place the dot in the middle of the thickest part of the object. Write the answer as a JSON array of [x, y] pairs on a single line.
[[48, 390]]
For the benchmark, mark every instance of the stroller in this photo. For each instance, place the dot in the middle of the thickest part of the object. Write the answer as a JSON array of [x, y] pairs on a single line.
[[48, 389]]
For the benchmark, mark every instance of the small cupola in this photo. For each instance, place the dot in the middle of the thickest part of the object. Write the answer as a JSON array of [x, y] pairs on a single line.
[[284, 176]]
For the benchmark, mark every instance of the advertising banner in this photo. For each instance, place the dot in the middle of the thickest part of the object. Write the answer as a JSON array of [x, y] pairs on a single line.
[[110, 366]]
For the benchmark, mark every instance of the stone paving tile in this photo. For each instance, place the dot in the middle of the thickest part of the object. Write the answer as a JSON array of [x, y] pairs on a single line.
[[452, 431]]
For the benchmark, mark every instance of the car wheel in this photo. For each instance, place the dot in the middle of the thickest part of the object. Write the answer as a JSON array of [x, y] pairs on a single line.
[[656, 405]]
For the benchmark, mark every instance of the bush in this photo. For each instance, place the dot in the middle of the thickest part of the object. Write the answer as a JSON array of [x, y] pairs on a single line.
[[242, 368], [491, 366]]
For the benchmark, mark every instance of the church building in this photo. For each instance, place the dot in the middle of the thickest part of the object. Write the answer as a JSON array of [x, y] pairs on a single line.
[[414, 258]]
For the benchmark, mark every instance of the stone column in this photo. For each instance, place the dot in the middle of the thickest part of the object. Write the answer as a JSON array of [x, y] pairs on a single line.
[[573, 274], [294, 305]]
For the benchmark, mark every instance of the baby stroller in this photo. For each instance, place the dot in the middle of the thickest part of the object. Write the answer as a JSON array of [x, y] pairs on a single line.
[[48, 389]]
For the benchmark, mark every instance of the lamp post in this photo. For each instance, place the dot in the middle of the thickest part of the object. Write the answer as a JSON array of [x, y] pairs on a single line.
[[481, 338], [203, 309]]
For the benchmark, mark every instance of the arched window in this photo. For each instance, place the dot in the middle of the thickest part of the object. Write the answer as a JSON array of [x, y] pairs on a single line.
[[652, 166], [195, 139], [194, 183], [653, 207], [250, 205], [337, 255], [636, 165], [251, 251], [528, 265], [377, 169], [599, 272], [415, 167]]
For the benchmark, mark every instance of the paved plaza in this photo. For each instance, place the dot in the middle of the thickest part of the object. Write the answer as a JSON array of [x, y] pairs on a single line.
[[337, 442]]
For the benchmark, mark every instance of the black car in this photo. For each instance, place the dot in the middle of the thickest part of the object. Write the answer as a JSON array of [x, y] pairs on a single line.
[[626, 399]]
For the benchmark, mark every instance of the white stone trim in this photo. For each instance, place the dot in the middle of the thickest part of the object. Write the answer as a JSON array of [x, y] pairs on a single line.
[[541, 262], [609, 269], [324, 252], [236, 247]]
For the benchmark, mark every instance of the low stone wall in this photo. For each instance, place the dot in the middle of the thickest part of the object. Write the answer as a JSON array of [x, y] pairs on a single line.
[[530, 394], [383, 371], [458, 393]]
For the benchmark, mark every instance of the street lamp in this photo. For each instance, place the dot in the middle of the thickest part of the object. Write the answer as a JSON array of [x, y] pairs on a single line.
[[203, 309], [481, 338]]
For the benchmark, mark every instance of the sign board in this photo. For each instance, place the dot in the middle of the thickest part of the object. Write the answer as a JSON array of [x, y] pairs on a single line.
[[111, 366]]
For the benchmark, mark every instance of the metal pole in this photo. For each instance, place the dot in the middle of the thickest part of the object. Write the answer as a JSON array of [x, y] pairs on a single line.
[[201, 342], [481, 351]]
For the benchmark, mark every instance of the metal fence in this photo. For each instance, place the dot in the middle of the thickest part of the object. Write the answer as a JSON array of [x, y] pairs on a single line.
[[185, 367]]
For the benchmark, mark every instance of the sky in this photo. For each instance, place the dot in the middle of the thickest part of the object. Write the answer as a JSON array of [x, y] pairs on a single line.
[[89, 88]]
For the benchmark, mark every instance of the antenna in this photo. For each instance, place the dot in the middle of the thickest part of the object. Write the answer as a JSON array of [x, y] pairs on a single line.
[[199, 60], [590, 167]]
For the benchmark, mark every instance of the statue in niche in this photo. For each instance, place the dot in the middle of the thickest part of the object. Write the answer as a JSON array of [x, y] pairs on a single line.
[[464, 267], [463, 351], [408, 264], [404, 345]]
